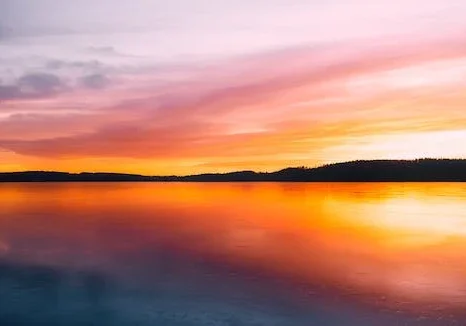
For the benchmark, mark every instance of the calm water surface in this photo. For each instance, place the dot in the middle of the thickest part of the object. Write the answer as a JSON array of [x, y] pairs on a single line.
[[233, 254]]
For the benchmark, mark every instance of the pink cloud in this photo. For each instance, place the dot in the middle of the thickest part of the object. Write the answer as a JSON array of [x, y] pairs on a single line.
[[248, 106]]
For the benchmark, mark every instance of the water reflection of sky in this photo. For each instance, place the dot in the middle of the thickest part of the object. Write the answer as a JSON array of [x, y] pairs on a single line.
[[233, 254]]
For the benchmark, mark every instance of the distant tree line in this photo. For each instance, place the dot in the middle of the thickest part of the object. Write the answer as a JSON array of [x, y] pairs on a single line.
[[362, 170]]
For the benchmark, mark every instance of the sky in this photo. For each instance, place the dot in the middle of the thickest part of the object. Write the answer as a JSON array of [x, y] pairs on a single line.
[[193, 86]]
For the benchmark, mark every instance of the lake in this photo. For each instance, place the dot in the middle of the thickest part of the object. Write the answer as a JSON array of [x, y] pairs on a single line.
[[224, 254]]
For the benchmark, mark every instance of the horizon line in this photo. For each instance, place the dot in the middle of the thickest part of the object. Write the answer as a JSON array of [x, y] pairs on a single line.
[[239, 171]]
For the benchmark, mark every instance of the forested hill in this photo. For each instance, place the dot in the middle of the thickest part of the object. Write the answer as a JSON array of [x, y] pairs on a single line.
[[371, 171]]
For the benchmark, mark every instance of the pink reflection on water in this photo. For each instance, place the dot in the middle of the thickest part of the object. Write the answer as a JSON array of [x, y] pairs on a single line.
[[391, 246]]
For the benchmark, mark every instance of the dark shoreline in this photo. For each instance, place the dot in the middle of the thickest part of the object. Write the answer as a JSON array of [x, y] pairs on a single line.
[[422, 170]]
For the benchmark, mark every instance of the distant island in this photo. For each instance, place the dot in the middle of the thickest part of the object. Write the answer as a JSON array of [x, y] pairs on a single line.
[[421, 170]]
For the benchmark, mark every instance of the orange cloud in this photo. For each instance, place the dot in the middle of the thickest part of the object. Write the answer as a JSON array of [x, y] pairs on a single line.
[[296, 107]]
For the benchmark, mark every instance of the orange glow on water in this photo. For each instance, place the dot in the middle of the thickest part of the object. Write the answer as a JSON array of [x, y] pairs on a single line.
[[402, 241]]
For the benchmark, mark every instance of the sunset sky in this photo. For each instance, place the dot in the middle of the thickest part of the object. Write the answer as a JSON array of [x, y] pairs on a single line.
[[192, 86]]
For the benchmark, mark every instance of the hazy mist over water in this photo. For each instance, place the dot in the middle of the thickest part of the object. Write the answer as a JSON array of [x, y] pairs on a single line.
[[232, 254]]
